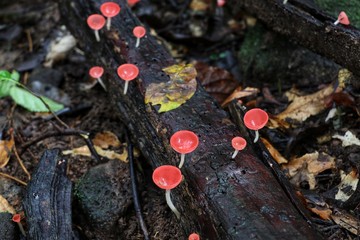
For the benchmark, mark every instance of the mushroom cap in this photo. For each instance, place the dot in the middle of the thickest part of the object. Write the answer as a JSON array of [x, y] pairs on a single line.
[[255, 119], [96, 21], [194, 236], [139, 31], [167, 177], [132, 2], [96, 72], [110, 9], [184, 141], [238, 143], [343, 18], [16, 218], [128, 71]]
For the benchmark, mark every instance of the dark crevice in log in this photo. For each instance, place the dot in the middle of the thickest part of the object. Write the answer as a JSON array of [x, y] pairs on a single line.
[[47, 202], [220, 198]]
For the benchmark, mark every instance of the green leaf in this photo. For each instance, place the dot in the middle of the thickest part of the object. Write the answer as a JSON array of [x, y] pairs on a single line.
[[32, 103], [5, 87], [4, 74], [15, 76]]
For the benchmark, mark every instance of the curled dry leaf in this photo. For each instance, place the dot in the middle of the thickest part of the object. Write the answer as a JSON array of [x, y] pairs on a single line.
[[274, 152], [346, 221], [85, 151], [5, 206], [348, 139], [307, 167], [106, 139], [240, 93], [177, 91], [347, 186], [6, 147]]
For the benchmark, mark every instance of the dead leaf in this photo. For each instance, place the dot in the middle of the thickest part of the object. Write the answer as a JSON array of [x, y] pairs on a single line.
[[307, 167], [240, 93], [199, 5], [347, 185], [177, 91], [348, 139], [347, 221], [85, 151], [302, 107], [6, 147], [59, 48], [323, 213], [106, 139], [5, 206], [274, 152]]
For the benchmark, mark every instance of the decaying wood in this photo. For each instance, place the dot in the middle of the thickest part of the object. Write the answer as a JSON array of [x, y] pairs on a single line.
[[47, 202], [220, 198], [307, 25]]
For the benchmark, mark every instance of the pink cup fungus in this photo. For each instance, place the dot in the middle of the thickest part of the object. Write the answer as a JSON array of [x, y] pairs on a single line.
[[109, 10], [17, 218], [183, 142], [194, 236], [96, 22], [139, 32], [96, 72], [132, 3], [342, 18], [256, 119], [168, 177], [220, 3], [238, 144], [127, 72]]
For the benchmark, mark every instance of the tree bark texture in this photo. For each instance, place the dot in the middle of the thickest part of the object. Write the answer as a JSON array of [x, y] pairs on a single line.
[[220, 198], [307, 25], [47, 202]]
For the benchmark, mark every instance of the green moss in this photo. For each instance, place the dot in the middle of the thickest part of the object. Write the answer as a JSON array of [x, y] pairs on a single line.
[[334, 7]]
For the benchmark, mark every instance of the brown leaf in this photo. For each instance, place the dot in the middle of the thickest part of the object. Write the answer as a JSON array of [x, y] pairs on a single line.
[[5, 206], [274, 152], [347, 221], [240, 93], [85, 151], [6, 147], [323, 213], [106, 139]]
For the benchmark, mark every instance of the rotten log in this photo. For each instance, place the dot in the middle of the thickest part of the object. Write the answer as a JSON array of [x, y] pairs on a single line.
[[220, 198], [304, 23], [47, 202]]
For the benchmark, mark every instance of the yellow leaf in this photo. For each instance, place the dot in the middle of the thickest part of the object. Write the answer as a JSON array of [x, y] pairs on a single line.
[[274, 152], [6, 147], [84, 151], [5, 206], [106, 139]]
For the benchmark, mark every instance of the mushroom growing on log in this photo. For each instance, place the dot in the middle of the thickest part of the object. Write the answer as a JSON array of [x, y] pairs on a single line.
[[220, 198]]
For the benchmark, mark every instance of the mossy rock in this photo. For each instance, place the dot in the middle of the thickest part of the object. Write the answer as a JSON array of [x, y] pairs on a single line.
[[334, 7]]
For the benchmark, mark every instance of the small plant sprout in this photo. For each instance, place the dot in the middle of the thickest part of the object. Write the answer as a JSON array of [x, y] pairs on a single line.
[[238, 144], [127, 72], [256, 119], [194, 236], [17, 218], [139, 32], [168, 177], [132, 3], [96, 72], [96, 22], [342, 18], [183, 142], [109, 10]]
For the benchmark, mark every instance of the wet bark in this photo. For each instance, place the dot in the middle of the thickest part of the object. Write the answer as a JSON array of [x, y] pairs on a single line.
[[47, 202], [220, 198], [307, 25]]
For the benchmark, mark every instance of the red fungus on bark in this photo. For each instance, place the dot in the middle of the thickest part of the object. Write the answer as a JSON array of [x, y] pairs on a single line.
[[96, 72], [17, 218], [127, 72], [220, 3], [238, 144], [132, 2], [168, 177], [342, 18], [109, 10], [183, 142], [256, 119], [194, 236], [96, 22], [139, 32]]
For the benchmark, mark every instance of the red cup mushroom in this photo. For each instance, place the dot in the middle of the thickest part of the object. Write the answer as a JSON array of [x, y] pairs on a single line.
[[194, 236], [127, 72], [139, 32], [109, 10], [168, 177], [96, 72], [131, 3], [17, 218], [238, 144], [342, 18], [220, 3], [96, 22], [183, 142], [256, 119]]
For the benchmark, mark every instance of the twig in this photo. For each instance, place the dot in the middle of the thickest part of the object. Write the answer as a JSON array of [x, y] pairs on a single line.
[[67, 132], [21, 163], [134, 188], [13, 178]]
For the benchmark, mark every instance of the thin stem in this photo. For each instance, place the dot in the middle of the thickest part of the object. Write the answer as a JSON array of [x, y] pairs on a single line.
[[102, 84], [336, 22], [134, 188], [108, 23], [97, 35], [235, 153], [285, 1], [13, 178], [21, 163], [256, 136], [170, 204], [126, 87], [137, 42], [182, 160], [21, 229]]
